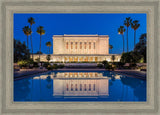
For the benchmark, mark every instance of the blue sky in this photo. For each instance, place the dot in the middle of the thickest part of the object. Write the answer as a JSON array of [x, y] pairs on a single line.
[[59, 24]]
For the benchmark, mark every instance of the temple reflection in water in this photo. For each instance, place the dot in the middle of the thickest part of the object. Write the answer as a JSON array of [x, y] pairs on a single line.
[[80, 84]]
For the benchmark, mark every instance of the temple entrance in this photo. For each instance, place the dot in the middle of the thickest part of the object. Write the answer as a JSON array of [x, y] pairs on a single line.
[[91, 59], [65, 59], [70, 59], [76, 59], [86, 59], [81, 59], [96, 58]]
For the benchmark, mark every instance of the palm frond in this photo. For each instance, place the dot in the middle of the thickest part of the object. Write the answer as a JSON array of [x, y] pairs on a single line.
[[40, 30], [127, 22], [27, 31], [48, 44], [135, 25], [31, 21], [121, 30]]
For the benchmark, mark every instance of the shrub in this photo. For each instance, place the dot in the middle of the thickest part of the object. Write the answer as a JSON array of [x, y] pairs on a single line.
[[61, 66], [37, 60], [105, 63], [23, 63], [46, 64], [58, 62], [132, 65], [109, 67], [118, 64], [48, 57], [30, 61], [49, 67], [21, 52], [100, 65], [55, 66], [131, 57], [35, 64]]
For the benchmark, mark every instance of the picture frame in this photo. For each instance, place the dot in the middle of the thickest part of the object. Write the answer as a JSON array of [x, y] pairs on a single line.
[[9, 7]]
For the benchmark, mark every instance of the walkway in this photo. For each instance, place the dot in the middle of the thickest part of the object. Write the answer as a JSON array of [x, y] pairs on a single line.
[[27, 72]]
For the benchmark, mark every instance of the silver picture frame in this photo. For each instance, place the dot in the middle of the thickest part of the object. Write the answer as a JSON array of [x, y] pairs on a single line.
[[9, 7]]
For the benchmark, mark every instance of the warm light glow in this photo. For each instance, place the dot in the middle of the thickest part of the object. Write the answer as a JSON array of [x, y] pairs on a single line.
[[97, 86], [79, 48]]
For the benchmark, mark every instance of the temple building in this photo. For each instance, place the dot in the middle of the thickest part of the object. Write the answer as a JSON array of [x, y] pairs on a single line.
[[80, 48]]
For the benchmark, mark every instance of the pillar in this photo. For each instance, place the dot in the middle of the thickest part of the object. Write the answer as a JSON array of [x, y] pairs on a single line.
[[69, 47]]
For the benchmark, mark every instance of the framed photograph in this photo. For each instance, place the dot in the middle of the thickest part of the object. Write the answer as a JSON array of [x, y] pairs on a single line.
[[79, 57]]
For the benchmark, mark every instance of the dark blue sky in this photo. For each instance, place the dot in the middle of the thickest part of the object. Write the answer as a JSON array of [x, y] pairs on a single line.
[[59, 24]]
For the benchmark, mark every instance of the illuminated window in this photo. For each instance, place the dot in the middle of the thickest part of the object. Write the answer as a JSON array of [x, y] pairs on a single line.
[[76, 45], [96, 75], [80, 45], [85, 45], [96, 58], [67, 45], [89, 45], [71, 45]]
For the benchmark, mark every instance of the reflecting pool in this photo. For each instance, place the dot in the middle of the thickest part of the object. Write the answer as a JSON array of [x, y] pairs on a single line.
[[80, 86]]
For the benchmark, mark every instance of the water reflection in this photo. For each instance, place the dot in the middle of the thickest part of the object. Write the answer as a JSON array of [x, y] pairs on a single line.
[[49, 82], [72, 84], [79, 75], [80, 86], [138, 86], [22, 86]]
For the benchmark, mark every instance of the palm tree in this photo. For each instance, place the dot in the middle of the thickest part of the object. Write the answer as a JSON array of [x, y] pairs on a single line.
[[31, 21], [121, 31], [48, 57], [127, 23], [27, 31], [113, 58], [110, 47], [135, 25], [48, 44], [41, 32]]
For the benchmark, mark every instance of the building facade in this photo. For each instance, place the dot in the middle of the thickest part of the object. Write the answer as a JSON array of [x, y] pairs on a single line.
[[80, 44], [80, 48]]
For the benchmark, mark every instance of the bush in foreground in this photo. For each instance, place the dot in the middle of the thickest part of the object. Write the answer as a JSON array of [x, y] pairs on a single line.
[[100, 65], [22, 63]]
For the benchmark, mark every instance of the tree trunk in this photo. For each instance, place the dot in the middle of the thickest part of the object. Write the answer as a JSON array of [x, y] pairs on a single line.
[[123, 42], [134, 38], [127, 39], [27, 41], [31, 42], [49, 50], [40, 47]]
